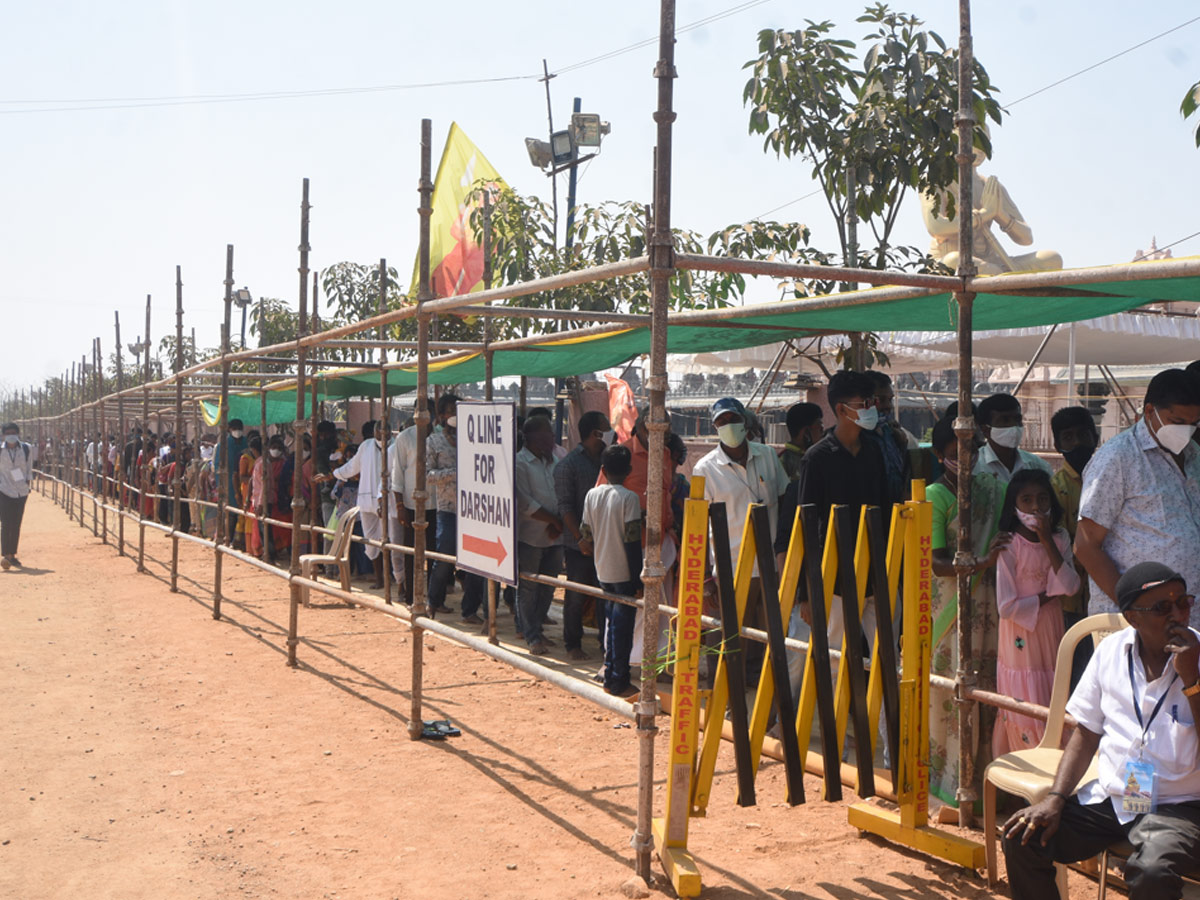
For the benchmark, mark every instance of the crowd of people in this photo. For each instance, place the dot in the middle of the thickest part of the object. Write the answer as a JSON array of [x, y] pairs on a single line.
[[1112, 527]]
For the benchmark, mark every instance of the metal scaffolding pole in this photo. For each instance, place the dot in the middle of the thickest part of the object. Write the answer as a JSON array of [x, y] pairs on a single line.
[[298, 431], [964, 423], [383, 429], [662, 265], [421, 417], [120, 466], [138, 458], [176, 492], [223, 466]]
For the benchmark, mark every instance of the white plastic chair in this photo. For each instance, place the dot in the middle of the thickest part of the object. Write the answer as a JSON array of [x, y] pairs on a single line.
[[338, 555], [1030, 773]]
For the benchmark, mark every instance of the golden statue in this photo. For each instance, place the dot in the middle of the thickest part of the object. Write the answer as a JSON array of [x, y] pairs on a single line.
[[992, 204]]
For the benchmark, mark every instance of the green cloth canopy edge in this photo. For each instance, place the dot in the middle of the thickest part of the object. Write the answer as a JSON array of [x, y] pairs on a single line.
[[562, 355]]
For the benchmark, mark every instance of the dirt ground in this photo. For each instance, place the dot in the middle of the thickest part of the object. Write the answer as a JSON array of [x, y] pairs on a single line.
[[150, 751]]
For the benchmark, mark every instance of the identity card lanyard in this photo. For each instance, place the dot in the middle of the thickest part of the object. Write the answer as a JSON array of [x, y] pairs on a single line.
[[17, 473], [1140, 794]]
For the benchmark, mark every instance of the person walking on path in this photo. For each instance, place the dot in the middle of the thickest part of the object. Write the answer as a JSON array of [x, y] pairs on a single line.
[[16, 469]]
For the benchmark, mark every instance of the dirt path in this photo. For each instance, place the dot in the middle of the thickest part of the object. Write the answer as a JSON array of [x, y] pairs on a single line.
[[150, 751]]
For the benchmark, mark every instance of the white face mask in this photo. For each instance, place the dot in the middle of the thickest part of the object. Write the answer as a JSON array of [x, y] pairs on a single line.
[[1009, 437], [237, 433], [275, 453], [866, 418], [1173, 438], [452, 421], [11, 439], [1029, 520], [732, 434], [305, 455], [335, 457], [609, 437]]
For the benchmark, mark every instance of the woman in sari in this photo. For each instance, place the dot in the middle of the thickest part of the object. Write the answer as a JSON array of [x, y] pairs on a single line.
[[987, 497], [247, 525]]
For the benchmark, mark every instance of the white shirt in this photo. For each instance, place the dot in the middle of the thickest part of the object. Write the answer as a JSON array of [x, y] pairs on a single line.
[[402, 466], [16, 469], [1151, 509], [366, 464], [534, 482], [606, 511], [1103, 703], [989, 463], [761, 480]]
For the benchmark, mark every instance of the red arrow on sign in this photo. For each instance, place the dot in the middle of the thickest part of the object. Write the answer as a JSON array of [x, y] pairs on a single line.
[[491, 549]]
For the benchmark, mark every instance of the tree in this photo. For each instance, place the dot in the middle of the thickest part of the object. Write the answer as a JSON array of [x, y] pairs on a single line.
[[1191, 100], [873, 128], [523, 248]]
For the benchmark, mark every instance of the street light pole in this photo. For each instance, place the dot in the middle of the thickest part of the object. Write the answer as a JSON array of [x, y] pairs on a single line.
[[573, 178]]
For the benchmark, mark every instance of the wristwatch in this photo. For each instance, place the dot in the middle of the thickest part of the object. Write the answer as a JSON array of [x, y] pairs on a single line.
[[1193, 690]]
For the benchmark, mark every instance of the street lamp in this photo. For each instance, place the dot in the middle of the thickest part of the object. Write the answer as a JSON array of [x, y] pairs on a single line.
[[243, 299], [557, 155]]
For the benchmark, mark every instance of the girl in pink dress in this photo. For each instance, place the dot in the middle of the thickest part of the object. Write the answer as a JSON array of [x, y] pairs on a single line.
[[1033, 575]]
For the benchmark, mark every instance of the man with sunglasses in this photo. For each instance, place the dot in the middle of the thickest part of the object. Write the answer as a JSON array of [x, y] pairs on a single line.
[[1138, 706]]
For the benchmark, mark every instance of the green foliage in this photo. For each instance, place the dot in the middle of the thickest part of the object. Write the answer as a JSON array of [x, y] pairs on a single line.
[[886, 117], [353, 290], [167, 352], [1191, 100], [523, 248]]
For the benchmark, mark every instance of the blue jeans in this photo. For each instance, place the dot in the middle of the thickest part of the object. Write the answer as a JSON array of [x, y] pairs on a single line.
[[533, 600], [618, 644], [439, 581]]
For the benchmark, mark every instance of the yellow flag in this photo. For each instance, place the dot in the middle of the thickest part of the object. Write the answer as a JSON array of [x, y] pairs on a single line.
[[455, 259]]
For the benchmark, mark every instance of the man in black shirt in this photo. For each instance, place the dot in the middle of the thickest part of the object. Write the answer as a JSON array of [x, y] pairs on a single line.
[[840, 469]]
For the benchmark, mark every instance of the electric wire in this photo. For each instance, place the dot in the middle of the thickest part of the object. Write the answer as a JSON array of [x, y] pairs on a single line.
[[87, 104], [1102, 62]]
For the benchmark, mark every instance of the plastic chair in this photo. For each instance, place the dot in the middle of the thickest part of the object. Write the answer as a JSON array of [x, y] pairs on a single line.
[[1030, 773], [338, 555]]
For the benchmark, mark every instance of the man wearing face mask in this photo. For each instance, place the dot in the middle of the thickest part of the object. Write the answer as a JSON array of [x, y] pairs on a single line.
[[739, 472], [1141, 493], [235, 446], [574, 476], [1075, 437], [16, 471], [804, 429], [893, 441], [843, 468], [1001, 421]]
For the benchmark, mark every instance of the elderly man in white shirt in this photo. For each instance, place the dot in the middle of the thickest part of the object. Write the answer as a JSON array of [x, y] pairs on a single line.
[[1138, 706], [1141, 493], [367, 464]]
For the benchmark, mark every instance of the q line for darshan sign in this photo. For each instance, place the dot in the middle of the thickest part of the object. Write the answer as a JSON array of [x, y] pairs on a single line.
[[487, 507]]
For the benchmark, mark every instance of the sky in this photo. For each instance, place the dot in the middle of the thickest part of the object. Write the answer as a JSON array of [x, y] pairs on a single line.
[[101, 204]]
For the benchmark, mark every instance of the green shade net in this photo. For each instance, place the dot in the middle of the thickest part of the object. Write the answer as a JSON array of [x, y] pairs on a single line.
[[562, 355]]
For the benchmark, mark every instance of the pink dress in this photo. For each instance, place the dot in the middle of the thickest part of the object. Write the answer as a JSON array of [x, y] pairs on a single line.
[[1030, 633]]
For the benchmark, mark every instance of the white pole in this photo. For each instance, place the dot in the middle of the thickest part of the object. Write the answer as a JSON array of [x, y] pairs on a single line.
[[1071, 368]]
